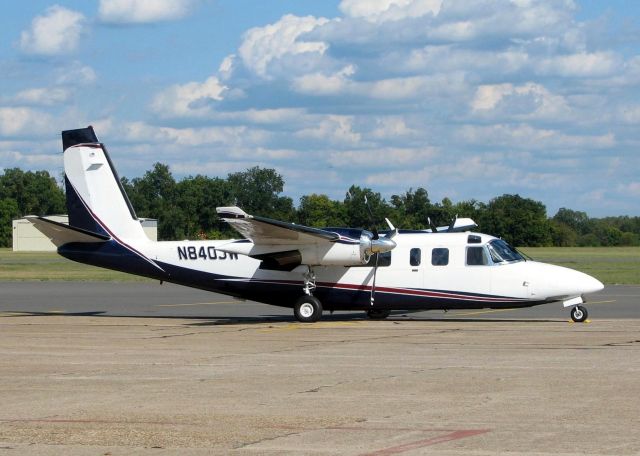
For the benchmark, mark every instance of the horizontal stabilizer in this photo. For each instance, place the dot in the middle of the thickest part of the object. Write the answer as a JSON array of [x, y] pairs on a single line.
[[61, 234]]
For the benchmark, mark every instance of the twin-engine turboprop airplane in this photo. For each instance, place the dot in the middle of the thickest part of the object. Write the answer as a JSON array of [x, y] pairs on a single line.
[[307, 269]]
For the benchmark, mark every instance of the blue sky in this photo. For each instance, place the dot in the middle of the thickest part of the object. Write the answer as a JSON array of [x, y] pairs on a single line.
[[466, 99]]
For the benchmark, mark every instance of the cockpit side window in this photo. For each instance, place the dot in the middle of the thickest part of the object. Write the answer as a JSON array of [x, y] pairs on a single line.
[[440, 257], [476, 256], [503, 252]]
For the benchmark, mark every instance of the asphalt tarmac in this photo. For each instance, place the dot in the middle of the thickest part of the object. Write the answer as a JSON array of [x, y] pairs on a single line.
[[167, 300], [142, 369]]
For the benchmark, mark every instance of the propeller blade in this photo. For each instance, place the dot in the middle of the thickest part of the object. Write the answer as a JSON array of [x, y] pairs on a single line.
[[434, 228], [452, 224], [393, 229], [373, 285], [374, 230]]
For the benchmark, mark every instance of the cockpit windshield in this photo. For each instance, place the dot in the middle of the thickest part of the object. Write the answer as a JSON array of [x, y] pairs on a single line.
[[501, 252]]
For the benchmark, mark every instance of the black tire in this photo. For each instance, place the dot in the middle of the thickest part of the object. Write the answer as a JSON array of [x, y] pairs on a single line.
[[308, 309], [579, 314], [378, 314]]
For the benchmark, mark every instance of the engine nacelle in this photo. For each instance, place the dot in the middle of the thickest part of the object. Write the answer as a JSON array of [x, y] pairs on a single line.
[[343, 254], [336, 254]]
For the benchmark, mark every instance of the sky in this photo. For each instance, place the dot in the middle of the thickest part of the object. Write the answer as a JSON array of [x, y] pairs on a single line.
[[470, 100]]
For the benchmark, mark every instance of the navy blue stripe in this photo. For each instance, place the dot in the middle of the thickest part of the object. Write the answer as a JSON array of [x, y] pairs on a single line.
[[79, 215]]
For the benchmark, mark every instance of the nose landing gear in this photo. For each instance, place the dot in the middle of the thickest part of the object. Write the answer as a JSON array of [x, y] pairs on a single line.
[[579, 314]]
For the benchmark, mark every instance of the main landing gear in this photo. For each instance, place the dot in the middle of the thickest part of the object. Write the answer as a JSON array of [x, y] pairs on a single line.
[[579, 314], [308, 308]]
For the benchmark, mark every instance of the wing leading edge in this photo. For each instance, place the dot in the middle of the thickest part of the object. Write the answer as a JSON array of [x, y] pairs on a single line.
[[266, 231]]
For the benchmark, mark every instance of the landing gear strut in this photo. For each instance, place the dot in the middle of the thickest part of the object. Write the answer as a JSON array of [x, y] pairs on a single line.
[[579, 314], [309, 281]]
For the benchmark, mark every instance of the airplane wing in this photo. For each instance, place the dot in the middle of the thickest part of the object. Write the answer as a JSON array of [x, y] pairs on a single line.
[[266, 231]]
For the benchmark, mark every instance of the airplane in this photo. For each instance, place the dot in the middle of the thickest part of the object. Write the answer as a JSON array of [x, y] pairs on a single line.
[[308, 269]]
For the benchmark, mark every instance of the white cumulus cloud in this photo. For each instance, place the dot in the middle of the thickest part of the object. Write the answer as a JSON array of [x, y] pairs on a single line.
[[57, 31], [192, 99], [530, 100], [17, 121], [321, 84], [44, 96], [142, 11], [334, 128], [262, 45], [75, 73], [389, 10]]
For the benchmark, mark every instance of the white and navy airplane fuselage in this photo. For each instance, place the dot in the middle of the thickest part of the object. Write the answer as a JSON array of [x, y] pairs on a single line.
[[307, 269]]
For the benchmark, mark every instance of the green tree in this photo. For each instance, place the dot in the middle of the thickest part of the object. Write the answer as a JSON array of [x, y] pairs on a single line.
[[257, 191], [520, 221], [562, 234], [356, 208], [412, 209], [35, 193], [154, 195], [198, 198], [8, 212], [321, 211], [576, 220]]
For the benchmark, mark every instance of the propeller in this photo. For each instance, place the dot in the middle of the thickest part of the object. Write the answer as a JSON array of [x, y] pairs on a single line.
[[375, 245], [374, 230]]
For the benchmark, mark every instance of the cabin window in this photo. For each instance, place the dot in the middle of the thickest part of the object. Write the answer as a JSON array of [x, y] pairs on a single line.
[[476, 256], [440, 257], [414, 257]]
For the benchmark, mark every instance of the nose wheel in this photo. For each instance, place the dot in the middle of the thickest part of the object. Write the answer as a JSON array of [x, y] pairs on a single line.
[[579, 314]]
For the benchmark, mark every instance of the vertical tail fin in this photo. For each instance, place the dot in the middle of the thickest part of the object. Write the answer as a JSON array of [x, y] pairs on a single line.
[[96, 200]]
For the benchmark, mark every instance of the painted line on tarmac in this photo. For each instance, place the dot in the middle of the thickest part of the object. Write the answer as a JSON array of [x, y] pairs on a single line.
[[600, 302], [197, 304]]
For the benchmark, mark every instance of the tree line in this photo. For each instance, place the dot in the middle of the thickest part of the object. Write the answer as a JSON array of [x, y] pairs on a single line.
[[186, 209]]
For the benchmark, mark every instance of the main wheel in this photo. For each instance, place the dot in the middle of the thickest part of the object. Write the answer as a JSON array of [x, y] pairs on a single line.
[[579, 314], [378, 314], [308, 309]]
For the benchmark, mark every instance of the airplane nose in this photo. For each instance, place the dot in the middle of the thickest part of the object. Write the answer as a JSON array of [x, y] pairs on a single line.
[[590, 284], [552, 281]]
